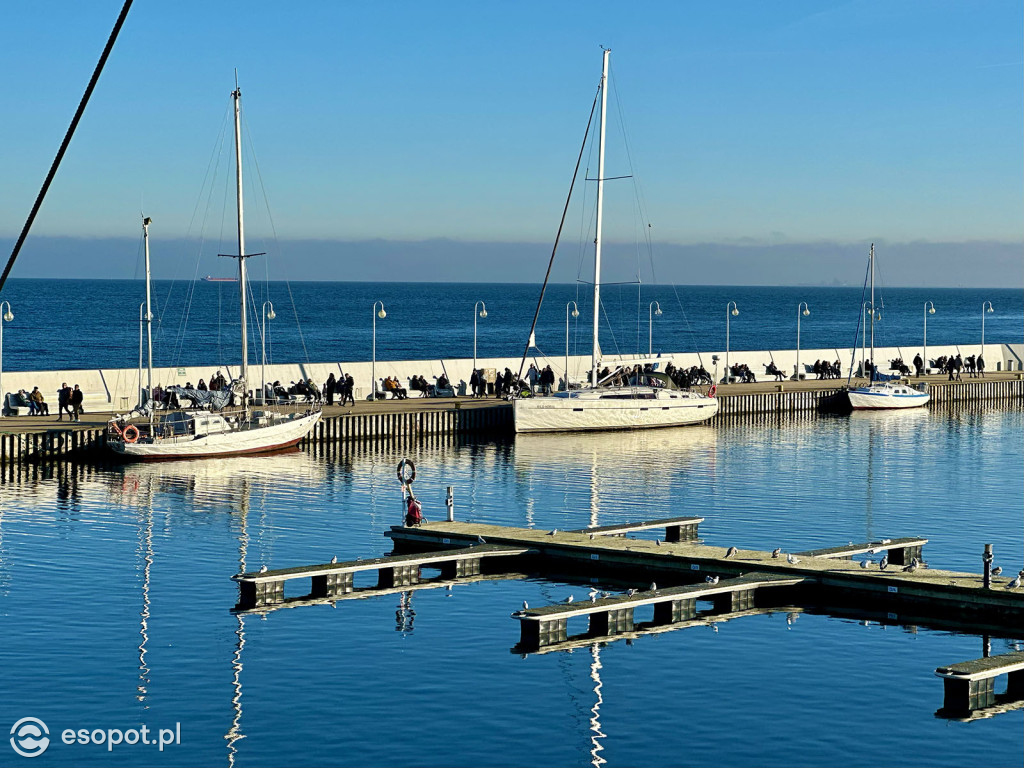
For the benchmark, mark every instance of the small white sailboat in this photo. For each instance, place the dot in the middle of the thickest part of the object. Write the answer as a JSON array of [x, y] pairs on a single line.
[[237, 428], [618, 401], [879, 395]]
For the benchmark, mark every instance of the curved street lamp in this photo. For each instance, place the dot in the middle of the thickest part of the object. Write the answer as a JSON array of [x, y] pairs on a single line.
[[5, 317], [650, 324], [984, 304], [801, 309], [575, 313], [483, 313], [373, 365], [263, 337], [734, 311], [929, 309]]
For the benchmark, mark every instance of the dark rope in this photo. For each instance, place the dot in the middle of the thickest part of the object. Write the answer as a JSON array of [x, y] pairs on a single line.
[[558, 236], [67, 140]]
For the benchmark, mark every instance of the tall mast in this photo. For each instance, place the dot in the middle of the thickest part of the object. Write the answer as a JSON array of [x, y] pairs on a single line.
[[871, 261], [146, 221], [242, 290], [600, 206]]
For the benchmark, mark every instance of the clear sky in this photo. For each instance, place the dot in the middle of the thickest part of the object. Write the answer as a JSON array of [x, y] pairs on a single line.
[[749, 123]]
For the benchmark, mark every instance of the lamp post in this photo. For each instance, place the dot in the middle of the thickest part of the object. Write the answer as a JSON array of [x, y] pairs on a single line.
[[734, 311], [373, 365], [989, 309], [575, 313], [801, 309], [650, 325], [483, 313], [142, 311], [929, 309], [263, 337], [5, 317]]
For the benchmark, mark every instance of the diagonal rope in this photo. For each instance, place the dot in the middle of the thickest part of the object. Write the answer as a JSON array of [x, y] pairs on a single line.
[[67, 141]]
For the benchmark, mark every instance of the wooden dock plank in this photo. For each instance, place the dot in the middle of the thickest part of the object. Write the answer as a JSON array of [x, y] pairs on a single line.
[[989, 666], [614, 530], [375, 563], [870, 547], [650, 597]]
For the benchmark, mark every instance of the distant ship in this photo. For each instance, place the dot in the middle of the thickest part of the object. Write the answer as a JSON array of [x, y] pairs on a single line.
[[211, 279]]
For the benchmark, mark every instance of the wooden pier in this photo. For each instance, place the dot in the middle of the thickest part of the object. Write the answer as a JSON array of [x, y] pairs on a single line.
[[25, 439], [970, 685]]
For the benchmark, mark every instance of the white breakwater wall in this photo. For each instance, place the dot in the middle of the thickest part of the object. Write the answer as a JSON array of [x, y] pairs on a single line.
[[119, 387]]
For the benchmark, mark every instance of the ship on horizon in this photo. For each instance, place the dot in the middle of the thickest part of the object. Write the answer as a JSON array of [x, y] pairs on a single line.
[[212, 279]]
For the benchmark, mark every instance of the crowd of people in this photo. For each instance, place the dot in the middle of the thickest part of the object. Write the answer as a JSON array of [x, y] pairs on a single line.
[[69, 401]]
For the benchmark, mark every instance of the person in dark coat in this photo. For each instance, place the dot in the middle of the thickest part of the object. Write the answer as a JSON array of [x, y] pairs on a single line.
[[348, 394], [77, 397], [64, 402], [499, 384], [329, 386], [919, 364]]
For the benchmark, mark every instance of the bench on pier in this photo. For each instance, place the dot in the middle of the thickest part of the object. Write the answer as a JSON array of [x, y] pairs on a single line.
[[676, 528], [970, 685], [257, 589], [901, 551], [614, 615]]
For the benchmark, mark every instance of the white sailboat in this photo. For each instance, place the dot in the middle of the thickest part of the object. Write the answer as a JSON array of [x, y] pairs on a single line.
[[883, 395], [196, 433], [651, 400]]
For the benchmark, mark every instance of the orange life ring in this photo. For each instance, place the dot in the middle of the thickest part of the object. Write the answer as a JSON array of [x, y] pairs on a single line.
[[713, 390], [130, 433]]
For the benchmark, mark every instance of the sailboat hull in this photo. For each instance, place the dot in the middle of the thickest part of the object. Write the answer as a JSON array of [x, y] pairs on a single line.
[[886, 397], [609, 409], [238, 442]]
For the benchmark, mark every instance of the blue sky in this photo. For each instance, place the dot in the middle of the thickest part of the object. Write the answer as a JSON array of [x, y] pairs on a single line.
[[749, 124]]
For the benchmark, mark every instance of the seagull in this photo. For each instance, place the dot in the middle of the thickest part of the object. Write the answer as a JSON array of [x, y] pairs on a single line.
[[593, 536], [865, 563], [711, 580], [605, 595], [912, 567], [263, 569], [569, 599], [334, 559], [481, 540], [526, 606], [552, 532], [658, 542], [1016, 581], [776, 552], [593, 598], [631, 592], [731, 552], [883, 563], [792, 559], [653, 586], [997, 570], [872, 551], [887, 541]]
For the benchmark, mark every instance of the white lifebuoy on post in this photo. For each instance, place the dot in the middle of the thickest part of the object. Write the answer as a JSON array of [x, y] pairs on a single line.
[[406, 471]]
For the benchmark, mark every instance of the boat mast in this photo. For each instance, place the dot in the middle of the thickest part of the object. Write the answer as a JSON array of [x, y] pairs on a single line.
[[595, 361], [146, 221], [237, 96], [871, 261]]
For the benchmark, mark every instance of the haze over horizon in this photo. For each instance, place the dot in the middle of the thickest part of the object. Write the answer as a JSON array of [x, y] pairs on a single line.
[[766, 144]]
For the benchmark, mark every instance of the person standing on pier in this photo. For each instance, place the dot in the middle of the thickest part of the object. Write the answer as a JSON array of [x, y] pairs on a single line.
[[348, 393], [64, 401], [980, 365], [919, 364], [329, 386], [77, 396], [534, 375]]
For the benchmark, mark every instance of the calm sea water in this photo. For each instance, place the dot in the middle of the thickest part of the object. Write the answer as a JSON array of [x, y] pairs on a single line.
[[70, 324], [115, 604]]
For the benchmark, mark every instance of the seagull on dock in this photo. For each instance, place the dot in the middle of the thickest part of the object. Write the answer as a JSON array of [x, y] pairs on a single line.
[[526, 606], [658, 542], [776, 552], [866, 563], [653, 587], [481, 540], [263, 569], [887, 541], [912, 567], [731, 552], [593, 536], [553, 532], [883, 563], [631, 592], [569, 599], [593, 598], [334, 560], [1016, 581], [872, 551], [792, 559], [712, 580], [997, 570]]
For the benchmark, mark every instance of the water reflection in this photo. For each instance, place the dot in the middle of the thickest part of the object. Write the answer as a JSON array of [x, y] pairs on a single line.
[[595, 720]]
